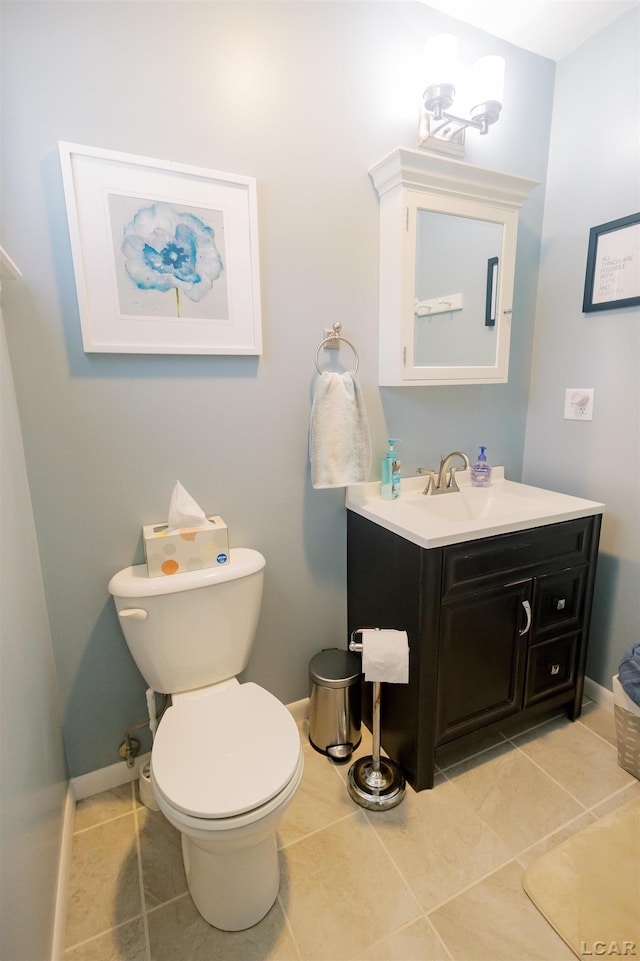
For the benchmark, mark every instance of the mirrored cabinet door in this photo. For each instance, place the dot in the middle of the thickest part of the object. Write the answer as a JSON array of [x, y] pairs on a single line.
[[448, 235]]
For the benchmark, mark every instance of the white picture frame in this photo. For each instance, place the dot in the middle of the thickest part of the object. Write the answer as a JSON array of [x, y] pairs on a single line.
[[165, 255]]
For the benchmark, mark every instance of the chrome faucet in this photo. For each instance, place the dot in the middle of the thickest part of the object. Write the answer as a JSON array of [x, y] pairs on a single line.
[[440, 484]]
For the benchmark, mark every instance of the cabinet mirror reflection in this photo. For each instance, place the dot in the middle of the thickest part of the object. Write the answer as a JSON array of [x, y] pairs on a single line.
[[448, 233], [456, 287]]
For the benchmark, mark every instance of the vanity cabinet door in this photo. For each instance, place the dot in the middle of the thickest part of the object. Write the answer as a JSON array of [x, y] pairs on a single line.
[[482, 657]]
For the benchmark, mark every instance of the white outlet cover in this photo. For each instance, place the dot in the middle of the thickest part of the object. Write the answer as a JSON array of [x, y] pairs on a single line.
[[578, 403]]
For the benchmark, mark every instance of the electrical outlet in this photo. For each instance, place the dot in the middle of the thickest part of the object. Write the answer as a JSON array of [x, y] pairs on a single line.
[[578, 403]]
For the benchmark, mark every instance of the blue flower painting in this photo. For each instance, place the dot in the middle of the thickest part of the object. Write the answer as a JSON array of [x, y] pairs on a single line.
[[169, 259], [167, 249]]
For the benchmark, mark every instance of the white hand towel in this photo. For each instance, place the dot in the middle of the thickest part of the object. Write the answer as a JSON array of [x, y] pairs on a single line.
[[339, 440]]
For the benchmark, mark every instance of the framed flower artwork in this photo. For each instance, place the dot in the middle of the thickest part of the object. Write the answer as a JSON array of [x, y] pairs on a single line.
[[165, 255]]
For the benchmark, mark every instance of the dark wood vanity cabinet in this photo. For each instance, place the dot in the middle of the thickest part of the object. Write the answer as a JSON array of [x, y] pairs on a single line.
[[497, 628]]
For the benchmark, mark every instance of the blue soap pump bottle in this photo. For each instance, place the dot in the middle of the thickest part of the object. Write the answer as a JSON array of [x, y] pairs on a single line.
[[481, 472], [390, 473]]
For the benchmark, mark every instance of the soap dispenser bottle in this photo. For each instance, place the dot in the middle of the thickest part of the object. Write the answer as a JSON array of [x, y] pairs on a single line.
[[390, 473], [481, 472]]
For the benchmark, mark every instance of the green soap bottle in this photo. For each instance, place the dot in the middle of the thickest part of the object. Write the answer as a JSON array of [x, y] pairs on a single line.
[[390, 473]]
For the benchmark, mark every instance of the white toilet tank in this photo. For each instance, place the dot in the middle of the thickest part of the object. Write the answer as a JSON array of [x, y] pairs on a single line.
[[192, 629]]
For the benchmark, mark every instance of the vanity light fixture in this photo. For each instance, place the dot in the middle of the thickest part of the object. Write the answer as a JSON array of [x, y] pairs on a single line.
[[444, 131]]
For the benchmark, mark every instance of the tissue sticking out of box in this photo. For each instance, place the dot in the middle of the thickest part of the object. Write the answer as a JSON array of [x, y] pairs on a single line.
[[190, 541], [184, 511]]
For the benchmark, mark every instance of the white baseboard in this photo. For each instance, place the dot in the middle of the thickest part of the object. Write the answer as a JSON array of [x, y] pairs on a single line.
[[106, 778], [601, 695], [64, 869]]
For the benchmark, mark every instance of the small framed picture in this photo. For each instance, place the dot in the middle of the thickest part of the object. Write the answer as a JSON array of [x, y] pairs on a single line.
[[165, 255], [613, 265]]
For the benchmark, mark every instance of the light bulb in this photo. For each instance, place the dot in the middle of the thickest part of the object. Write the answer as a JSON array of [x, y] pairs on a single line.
[[488, 80], [441, 59]]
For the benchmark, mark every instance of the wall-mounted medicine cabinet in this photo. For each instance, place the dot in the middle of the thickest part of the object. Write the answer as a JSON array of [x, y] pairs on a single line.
[[448, 233]]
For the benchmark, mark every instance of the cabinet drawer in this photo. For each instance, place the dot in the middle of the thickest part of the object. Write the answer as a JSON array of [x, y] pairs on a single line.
[[551, 667], [476, 565], [558, 601]]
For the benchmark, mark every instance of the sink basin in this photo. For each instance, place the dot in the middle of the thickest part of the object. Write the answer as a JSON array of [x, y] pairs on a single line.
[[439, 519]]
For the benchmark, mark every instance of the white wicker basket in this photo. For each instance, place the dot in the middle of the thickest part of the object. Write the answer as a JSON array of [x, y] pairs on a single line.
[[627, 717]]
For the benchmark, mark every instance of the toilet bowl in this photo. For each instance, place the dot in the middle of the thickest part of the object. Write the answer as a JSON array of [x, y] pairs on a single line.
[[225, 765], [226, 759]]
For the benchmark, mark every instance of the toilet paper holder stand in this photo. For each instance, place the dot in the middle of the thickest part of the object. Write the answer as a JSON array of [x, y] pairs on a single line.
[[374, 782]]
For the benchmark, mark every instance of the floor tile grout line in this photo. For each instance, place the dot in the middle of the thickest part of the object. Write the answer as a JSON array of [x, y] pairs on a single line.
[[285, 915], [517, 854], [303, 837], [143, 900], [99, 824], [401, 875], [467, 887], [506, 739], [581, 722], [405, 927], [552, 778], [177, 897], [562, 787], [468, 757], [101, 934], [489, 827], [547, 837], [439, 937], [609, 797]]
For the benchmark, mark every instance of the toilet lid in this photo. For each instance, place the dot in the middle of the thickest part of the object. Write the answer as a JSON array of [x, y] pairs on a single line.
[[226, 752]]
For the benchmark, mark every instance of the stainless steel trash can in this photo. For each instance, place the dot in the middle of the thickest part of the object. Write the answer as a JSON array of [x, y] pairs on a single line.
[[335, 703]]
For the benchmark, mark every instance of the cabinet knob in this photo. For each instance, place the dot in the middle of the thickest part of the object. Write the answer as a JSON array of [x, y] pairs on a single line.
[[555, 669]]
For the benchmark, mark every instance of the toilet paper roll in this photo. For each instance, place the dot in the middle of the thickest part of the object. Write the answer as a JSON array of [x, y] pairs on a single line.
[[385, 656]]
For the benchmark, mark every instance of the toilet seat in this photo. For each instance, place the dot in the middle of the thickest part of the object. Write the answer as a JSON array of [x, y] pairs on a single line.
[[225, 753]]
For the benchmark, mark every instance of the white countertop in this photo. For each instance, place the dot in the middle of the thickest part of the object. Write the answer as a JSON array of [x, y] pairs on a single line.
[[435, 520]]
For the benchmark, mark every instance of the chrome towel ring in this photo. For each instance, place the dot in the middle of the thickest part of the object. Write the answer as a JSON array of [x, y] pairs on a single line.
[[332, 342]]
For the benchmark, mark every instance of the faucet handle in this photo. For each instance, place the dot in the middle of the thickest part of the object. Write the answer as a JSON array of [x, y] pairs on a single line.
[[453, 484], [431, 479]]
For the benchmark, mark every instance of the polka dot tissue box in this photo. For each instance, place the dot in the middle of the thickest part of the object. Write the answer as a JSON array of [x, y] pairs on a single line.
[[170, 551]]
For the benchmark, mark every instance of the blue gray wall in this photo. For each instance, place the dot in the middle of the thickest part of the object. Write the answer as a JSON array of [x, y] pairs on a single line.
[[594, 178], [32, 765], [304, 97]]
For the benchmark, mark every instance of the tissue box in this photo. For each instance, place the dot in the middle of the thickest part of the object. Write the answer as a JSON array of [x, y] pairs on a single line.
[[188, 549]]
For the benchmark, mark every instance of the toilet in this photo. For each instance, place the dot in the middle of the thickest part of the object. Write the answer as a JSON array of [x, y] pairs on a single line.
[[226, 759]]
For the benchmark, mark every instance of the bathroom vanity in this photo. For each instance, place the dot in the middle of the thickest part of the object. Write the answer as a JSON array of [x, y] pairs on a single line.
[[494, 588]]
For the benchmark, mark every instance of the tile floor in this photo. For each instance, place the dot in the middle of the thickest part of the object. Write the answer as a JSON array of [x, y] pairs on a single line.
[[436, 879]]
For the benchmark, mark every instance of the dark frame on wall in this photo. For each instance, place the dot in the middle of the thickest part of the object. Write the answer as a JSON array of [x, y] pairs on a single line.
[[613, 265]]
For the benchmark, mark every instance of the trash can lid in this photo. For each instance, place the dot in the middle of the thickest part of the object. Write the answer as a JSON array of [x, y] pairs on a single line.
[[335, 668]]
